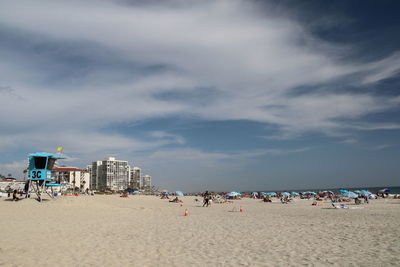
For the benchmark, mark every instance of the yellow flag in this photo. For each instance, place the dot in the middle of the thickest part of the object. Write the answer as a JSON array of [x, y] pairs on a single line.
[[59, 148]]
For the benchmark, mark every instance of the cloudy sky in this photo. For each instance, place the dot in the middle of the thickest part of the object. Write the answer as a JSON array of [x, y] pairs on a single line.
[[218, 95]]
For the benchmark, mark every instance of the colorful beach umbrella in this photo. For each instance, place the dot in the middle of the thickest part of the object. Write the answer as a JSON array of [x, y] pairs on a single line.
[[343, 191]]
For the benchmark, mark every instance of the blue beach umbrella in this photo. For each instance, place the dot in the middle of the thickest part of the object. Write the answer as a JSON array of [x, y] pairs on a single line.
[[385, 190], [365, 193], [294, 194], [350, 194], [285, 194], [272, 194], [343, 191], [179, 193]]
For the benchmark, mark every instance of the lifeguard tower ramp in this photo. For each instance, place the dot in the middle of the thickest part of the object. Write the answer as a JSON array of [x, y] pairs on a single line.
[[40, 168]]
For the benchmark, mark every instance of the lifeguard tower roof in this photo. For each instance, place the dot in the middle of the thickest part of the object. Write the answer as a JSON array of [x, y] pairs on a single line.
[[47, 155]]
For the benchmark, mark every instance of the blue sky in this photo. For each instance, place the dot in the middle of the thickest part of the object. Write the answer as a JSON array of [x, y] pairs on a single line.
[[217, 95]]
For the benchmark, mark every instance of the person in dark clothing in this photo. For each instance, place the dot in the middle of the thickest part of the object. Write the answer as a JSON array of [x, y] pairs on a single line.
[[206, 200], [15, 198], [26, 188]]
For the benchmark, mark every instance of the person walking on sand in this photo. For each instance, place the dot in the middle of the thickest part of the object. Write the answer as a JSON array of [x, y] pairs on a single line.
[[206, 199]]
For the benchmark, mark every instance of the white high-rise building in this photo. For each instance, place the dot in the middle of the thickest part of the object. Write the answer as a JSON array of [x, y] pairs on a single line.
[[94, 170], [110, 174], [146, 182], [136, 182]]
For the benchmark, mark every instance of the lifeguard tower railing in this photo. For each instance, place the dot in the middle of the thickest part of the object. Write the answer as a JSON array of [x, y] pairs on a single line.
[[40, 169]]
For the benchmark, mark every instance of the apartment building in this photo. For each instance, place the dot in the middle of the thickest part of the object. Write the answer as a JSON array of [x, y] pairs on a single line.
[[110, 174]]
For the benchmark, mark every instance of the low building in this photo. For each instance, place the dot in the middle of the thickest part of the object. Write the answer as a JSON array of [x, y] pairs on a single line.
[[10, 184], [73, 177]]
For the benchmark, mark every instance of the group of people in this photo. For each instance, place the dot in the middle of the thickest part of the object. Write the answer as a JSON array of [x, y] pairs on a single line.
[[285, 199]]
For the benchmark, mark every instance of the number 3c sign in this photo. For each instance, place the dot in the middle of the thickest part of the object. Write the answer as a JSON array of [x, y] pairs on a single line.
[[36, 174]]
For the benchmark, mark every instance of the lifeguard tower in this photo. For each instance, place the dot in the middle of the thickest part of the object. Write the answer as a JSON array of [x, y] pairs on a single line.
[[40, 168]]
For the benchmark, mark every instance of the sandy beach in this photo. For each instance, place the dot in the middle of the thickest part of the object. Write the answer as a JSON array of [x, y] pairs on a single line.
[[148, 231]]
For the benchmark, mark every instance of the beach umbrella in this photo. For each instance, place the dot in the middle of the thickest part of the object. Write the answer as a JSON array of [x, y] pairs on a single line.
[[272, 194], [343, 191], [350, 194], [135, 192], [364, 192], [309, 193], [179, 193], [285, 194], [294, 194], [357, 191], [385, 190], [255, 194], [233, 194]]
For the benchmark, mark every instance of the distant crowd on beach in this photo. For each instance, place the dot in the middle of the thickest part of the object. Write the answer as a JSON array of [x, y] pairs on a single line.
[[341, 196], [207, 197]]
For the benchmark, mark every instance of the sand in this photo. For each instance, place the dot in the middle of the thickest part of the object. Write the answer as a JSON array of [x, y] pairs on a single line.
[[148, 231]]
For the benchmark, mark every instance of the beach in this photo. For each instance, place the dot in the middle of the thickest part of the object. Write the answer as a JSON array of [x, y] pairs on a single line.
[[107, 230]]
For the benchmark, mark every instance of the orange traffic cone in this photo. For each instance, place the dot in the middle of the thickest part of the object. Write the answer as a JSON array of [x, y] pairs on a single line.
[[186, 213], [241, 210]]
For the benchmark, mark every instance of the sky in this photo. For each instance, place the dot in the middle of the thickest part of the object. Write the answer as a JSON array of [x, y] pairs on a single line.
[[206, 95]]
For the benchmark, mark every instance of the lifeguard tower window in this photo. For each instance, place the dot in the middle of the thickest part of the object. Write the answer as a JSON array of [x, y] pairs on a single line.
[[40, 162], [50, 163]]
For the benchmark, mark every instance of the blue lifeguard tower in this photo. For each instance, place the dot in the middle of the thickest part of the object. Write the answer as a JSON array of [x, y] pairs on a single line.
[[40, 168]]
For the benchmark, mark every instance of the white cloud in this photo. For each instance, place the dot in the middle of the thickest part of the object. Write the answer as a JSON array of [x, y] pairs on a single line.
[[15, 168], [252, 60], [173, 138], [379, 147], [349, 140], [382, 69], [375, 126]]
